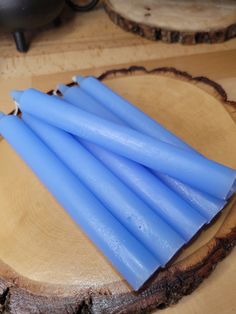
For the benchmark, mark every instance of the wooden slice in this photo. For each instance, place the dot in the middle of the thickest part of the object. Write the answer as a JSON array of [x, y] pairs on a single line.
[[184, 21], [49, 266]]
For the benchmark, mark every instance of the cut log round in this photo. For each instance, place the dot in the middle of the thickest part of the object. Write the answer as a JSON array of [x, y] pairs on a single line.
[[49, 266], [187, 22]]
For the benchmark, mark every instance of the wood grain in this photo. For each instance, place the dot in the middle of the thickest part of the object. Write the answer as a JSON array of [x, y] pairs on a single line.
[[187, 22], [80, 46], [51, 267]]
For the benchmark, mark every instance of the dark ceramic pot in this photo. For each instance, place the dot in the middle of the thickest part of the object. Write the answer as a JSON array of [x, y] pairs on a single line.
[[28, 14], [18, 16]]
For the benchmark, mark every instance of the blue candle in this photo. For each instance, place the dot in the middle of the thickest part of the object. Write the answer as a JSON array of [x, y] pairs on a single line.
[[176, 212], [132, 212], [195, 170], [126, 254], [163, 200], [207, 205], [139, 121], [127, 112]]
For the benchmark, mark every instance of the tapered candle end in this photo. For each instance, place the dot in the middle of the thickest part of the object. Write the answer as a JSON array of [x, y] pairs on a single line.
[[16, 95], [77, 78], [62, 88]]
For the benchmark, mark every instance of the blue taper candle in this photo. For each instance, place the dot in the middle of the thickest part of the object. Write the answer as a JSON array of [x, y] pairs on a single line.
[[132, 212], [182, 217], [138, 120], [127, 112], [188, 167], [135, 263], [207, 205]]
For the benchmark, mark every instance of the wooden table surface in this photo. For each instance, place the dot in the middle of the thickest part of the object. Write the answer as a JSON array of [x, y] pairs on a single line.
[[90, 43]]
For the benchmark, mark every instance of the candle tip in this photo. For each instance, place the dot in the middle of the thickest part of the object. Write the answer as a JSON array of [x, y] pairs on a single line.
[[62, 88], [77, 79], [54, 92], [16, 95]]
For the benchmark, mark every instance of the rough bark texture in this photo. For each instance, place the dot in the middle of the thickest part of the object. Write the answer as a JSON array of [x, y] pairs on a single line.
[[169, 35], [20, 295], [205, 83], [167, 288]]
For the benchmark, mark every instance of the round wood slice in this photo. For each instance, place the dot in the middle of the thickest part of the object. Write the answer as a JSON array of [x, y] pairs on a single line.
[[49, 266], [184, 21]]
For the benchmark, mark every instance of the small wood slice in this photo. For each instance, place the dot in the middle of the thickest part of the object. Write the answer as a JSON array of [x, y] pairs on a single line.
[[183, 21], [49, 266]]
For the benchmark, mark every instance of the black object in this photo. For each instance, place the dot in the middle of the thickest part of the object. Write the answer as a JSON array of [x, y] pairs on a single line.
[[82, 8], [18, 16], [20, 41]]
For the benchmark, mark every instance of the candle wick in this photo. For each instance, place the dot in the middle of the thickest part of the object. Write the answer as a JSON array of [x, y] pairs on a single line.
[[15, 113], [74, 79], [77, 79], [55, 92]]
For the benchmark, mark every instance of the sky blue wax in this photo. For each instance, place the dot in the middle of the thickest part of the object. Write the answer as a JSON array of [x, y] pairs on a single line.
[[127, 111], [176, 212], [132, 212], [207, 205], [123, 250], [187, 166], [136, 119], [157, 195]]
